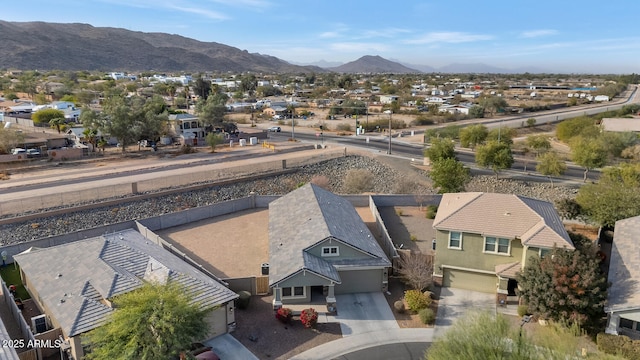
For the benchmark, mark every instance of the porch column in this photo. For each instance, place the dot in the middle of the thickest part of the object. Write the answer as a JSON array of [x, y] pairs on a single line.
[[612, 324], [277, 298], [331, 299]]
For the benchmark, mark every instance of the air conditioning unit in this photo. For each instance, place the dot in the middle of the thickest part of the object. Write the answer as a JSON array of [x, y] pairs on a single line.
[[39, 324]]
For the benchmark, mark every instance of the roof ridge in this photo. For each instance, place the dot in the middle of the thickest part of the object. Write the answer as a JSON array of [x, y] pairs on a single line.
[[478, 195]]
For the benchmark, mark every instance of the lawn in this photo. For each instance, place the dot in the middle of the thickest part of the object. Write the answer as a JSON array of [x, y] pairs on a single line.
[[11, 275]]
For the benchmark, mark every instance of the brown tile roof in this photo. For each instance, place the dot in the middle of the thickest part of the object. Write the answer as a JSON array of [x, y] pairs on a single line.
[[534, 222], [509, 270]]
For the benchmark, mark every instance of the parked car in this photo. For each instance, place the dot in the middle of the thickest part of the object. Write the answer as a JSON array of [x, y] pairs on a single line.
[[33, 152], [275, 129], [18, 151]]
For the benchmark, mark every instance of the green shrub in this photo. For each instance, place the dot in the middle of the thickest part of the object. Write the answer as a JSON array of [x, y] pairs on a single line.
[[243, 300], [431, 212], [427, 316], [523, 310], [618, 345], [416, 300], [343, 127], [413, 237], [399, 306]]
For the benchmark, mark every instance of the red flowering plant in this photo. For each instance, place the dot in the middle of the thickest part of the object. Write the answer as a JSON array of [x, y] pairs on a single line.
[[284, 315], [309, 318]]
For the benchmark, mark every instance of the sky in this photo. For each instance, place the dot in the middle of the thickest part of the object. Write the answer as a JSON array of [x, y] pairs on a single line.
[[560, 36]]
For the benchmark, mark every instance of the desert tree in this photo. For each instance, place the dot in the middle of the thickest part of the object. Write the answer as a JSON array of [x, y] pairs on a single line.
[[614, 197], [588, 153], [44, 116], [416, 269], [550, 164], [494, 155], [473, 135], [539, 143], [440, 148], [57, 123], [9, 139], [152, 322], [449, 175], [213, 140]]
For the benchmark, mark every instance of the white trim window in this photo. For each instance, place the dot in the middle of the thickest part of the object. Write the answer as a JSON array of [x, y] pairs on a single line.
[[455, 240], [294, 292], [330, 251], [497, 245]]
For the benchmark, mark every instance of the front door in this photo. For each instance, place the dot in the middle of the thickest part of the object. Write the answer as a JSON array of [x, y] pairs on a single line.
[[512, 286]]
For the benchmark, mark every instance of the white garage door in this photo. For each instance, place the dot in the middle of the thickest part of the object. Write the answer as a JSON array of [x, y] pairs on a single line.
[[217, 320]]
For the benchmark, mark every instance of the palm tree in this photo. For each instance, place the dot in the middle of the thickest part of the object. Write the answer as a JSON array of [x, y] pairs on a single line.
[[58, 123]]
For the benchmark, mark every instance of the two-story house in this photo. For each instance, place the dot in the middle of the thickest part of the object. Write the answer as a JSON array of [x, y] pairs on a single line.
[[484, 239], [319, 246], [187, 128]]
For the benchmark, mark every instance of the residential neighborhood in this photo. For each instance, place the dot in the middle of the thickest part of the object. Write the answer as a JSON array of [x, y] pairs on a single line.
[[259, 209]]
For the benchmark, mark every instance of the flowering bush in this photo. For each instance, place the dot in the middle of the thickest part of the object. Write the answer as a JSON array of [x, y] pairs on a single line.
[[284, 315], [309, 317]]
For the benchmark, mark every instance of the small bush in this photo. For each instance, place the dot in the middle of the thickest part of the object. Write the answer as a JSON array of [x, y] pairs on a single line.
[[284, 315], [343, 127], [427, 316], [416, 300], [321, 181], [243, 300], [618, 345], [523, 310], [431, 212], [413, 238], [309, 317], [399, 212], [399, 306], [357, 181]]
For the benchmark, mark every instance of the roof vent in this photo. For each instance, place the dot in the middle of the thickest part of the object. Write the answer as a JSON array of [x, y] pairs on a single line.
[[507, 213], [58, 275]]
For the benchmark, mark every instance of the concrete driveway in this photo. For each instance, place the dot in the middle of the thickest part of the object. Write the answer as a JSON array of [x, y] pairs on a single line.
[[363, 313], [228, 348], [454, 303]]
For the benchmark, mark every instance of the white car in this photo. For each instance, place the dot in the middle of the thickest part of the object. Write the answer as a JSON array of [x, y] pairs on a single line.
[[33, 152], [275, 129], [18, 151]]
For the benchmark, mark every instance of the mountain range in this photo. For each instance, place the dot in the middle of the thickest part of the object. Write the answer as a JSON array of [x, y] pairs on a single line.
[[55, 46]]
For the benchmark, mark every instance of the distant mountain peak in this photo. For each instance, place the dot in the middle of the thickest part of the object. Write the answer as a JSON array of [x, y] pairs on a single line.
[[374, 64]]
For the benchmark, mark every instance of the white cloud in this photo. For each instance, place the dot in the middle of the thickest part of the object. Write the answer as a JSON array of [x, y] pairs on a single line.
[[538, 33], [329, 35], [184, 6], [451, 37], [385, 33]]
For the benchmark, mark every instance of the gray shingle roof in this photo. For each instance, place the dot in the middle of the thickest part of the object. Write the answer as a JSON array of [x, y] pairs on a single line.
[[624, 266], [307, 216], [73, 279], [535, 222]]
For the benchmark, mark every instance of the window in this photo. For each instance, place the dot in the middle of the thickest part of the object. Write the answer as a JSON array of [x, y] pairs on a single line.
[[626, 323], [544, 252], [455, 240], [330, 251], [496, 245], [296, 291]]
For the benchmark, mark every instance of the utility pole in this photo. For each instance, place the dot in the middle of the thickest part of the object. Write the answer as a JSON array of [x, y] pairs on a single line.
[[389, 151]]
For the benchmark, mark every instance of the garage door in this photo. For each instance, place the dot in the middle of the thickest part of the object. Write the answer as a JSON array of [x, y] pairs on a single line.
[[469, 280], [217, 320], [359, 281]]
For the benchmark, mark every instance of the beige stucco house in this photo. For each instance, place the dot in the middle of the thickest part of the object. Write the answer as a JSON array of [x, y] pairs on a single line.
[[73, 284], [484, 239]]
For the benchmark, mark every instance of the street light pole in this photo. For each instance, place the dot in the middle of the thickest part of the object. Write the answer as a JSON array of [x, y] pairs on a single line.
[[389, 151]]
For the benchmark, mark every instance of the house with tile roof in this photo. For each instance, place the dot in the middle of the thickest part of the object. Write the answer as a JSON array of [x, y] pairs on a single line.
[[484, 239], [623, 302], [319, 246], [73, 284]]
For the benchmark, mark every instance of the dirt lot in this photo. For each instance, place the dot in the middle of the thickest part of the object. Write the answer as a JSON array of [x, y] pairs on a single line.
[[233, 245]]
